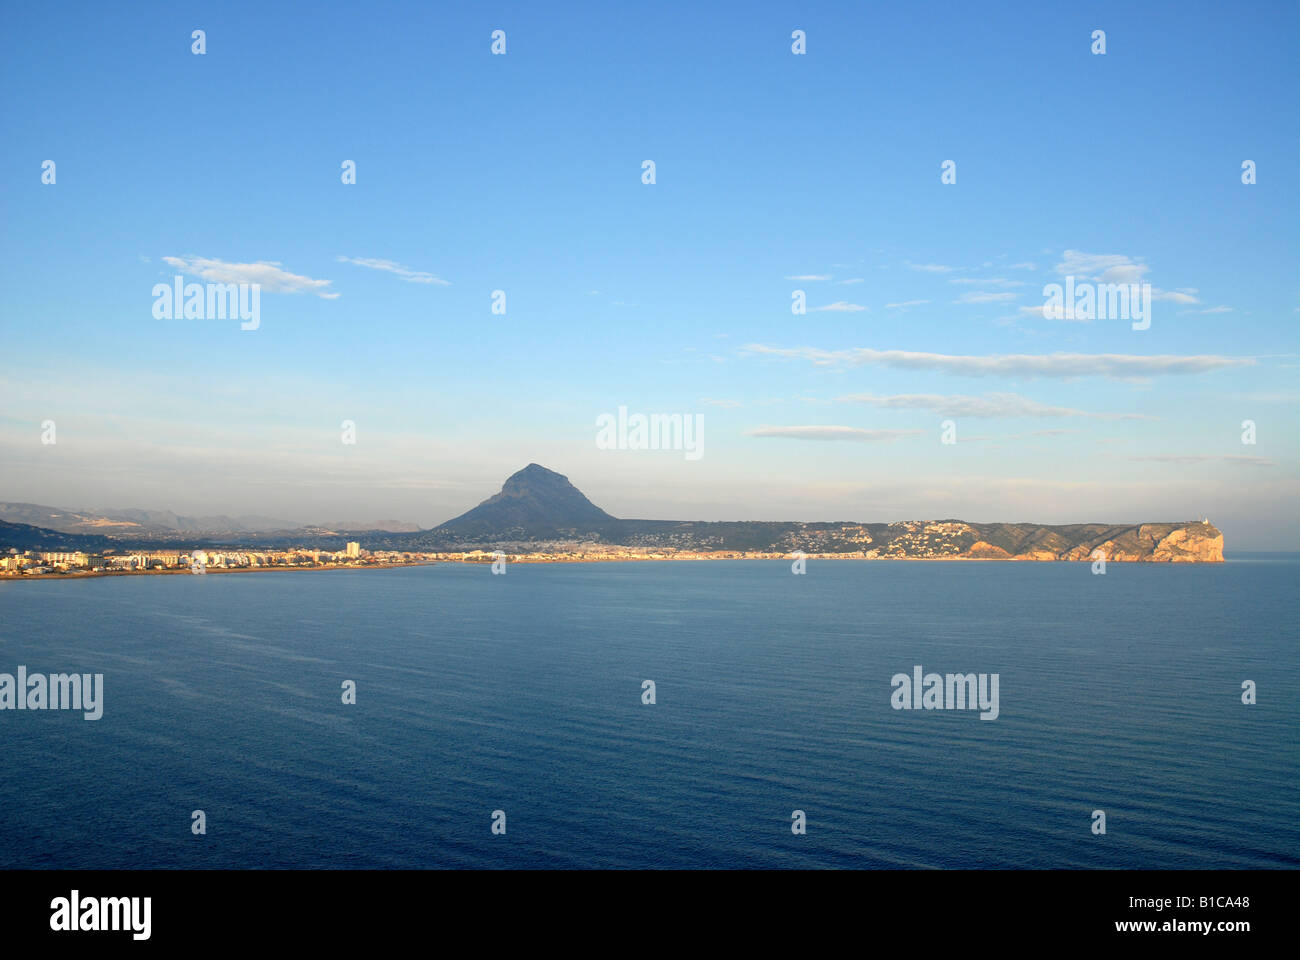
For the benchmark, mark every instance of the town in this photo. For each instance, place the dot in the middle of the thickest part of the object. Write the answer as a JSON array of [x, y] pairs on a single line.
[[80, 563], [49, 564]]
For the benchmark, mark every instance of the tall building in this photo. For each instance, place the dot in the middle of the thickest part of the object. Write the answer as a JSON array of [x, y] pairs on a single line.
[[354, 549]]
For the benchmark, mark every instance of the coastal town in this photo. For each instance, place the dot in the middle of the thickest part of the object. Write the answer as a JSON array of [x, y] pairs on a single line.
[[33, 563], [52, 564]]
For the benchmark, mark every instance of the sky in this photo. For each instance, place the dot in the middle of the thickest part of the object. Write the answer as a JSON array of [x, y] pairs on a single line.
[[774, 172]]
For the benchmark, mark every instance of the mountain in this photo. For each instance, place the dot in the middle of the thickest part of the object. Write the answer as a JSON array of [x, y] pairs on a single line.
[[164, 520], [65, 521], [535, 503], [134, 523], [367, 526], [540, 507]]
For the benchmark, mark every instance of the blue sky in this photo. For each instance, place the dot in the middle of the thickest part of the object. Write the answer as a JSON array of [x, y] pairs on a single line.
[[523, 173]]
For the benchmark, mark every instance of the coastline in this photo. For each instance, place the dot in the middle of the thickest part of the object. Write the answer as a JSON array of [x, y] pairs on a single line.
[[186, 572], [525, 559]]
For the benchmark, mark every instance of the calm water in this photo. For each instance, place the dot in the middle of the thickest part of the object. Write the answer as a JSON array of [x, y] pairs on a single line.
[[523, 693]]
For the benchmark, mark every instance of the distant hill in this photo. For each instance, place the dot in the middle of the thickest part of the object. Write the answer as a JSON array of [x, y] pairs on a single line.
[[24, 536], [157, 527], [162, 520], [65, 521], [134, 523], [365, 526]]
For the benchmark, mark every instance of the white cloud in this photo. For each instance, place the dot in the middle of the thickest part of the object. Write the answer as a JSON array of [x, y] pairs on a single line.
[[928, 267], [840, 306], [390, 266], [1042, 310], [990, 282], [266, 273], [1101, 267], [828, 432], [1117, 268], [1024, 266], [989, 406], [1209, 458], [1185, 295], [851, 280], [1117, 366], [1054, 312], [905, 303], [811, 277], [728, 404], [985, 297]]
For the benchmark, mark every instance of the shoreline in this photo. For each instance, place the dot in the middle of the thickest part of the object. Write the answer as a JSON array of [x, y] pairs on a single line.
[[487, 561], [186, 572]]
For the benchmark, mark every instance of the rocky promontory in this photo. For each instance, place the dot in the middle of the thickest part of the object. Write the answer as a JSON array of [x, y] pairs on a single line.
[[538, 509]]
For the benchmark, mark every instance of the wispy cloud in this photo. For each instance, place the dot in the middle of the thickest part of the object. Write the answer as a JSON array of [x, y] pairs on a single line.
[[810, 277], [1240, 459], [905, 303], [1220, 309], [1117, 268], [1043, 310], [728, 404], [1117, 366], [984, 297], [990, 281], [390, 266], [851, 280], [828, 432], [990, 406], [266, 273], [840, 306], [1102, 267], [928, 267], [1183, 295], [1054, 312]]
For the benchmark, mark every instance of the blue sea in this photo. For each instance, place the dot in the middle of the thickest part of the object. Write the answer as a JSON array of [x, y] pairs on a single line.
[[522, 693]]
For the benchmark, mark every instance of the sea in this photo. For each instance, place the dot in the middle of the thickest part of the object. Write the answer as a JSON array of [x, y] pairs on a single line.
[[504, 720]]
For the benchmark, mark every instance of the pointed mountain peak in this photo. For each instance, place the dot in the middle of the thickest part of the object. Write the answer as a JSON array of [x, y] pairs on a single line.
[[537, 473], [532, 500]]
